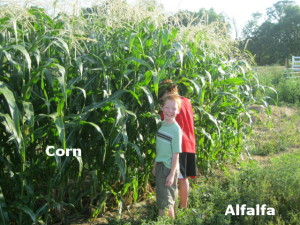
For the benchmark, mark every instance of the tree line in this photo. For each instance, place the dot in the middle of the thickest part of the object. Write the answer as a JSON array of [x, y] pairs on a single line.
[[271, 39], [277, 38]]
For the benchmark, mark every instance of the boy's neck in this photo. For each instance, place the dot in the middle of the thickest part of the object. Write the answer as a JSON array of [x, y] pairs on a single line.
[[169, 121]]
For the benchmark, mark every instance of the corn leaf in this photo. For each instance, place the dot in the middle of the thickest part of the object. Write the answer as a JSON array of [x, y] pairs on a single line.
[[4, 219]]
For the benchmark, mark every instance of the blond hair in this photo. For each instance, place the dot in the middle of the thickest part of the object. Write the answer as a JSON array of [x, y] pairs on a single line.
[[173, 97]]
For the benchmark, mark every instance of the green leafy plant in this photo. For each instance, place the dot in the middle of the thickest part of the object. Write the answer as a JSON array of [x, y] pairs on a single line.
[[92, 81], [277, 187]]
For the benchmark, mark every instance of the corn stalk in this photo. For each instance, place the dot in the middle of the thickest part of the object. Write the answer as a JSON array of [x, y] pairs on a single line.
[[92, 82]]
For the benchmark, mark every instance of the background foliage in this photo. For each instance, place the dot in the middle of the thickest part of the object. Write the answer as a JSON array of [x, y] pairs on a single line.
[[92, 81], [287, 85], [278, 37]]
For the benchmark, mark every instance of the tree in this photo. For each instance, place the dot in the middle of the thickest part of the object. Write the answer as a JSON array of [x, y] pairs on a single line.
[[252, 25], [203, 16], [278, 37], [278, 11]]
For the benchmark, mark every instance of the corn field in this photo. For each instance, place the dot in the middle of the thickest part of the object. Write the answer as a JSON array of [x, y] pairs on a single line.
[[91, 81]]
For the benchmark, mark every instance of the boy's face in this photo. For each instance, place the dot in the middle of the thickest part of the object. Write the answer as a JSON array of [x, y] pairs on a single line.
[[170, 110]]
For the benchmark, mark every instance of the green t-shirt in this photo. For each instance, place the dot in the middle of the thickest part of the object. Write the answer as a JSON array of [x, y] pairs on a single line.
[[168, 142]]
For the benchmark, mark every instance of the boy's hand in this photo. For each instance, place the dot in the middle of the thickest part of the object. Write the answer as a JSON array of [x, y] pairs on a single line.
[[153, 170], [169, 180]]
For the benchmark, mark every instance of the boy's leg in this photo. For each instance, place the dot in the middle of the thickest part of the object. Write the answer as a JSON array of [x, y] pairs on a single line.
[[165, 196], [187, 162], [161, 212], [184, 187], [169, 212], [183, 181]]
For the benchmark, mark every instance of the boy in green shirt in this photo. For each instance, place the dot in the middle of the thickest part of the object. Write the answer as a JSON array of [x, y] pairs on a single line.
[[168, 147]]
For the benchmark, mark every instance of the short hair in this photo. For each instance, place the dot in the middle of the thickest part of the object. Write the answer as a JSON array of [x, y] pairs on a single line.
[[167, 86], [173, 97]]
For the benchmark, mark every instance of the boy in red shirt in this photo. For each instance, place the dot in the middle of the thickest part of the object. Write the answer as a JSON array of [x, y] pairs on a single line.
[[187, 159]]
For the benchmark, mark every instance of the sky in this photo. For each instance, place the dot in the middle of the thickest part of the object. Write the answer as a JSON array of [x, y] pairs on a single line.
[[239, 10]]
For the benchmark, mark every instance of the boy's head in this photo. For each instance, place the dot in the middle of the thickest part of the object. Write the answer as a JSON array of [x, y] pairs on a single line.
[[171, 107], [172, 97], [167, 87]]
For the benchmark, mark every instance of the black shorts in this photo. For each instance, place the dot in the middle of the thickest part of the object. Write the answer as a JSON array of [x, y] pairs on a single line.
[[187, 164]]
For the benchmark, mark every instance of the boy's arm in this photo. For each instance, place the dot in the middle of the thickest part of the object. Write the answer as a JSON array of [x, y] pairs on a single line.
[[154, 169], [174, 166]]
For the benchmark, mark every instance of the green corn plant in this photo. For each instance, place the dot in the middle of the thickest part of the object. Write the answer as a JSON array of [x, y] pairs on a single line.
[[92, 82], [3, 210]]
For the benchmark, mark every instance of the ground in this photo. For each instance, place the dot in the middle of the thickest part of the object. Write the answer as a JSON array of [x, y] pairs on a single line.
[[141, 210]]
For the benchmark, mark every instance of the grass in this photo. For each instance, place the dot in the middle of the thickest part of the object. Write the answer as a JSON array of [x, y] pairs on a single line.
[[276, 139], [279, 133], [287, 85], [277, 188], [274, 148]]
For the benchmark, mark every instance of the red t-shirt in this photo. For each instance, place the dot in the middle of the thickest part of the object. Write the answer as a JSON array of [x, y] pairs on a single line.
[[185, 119]]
